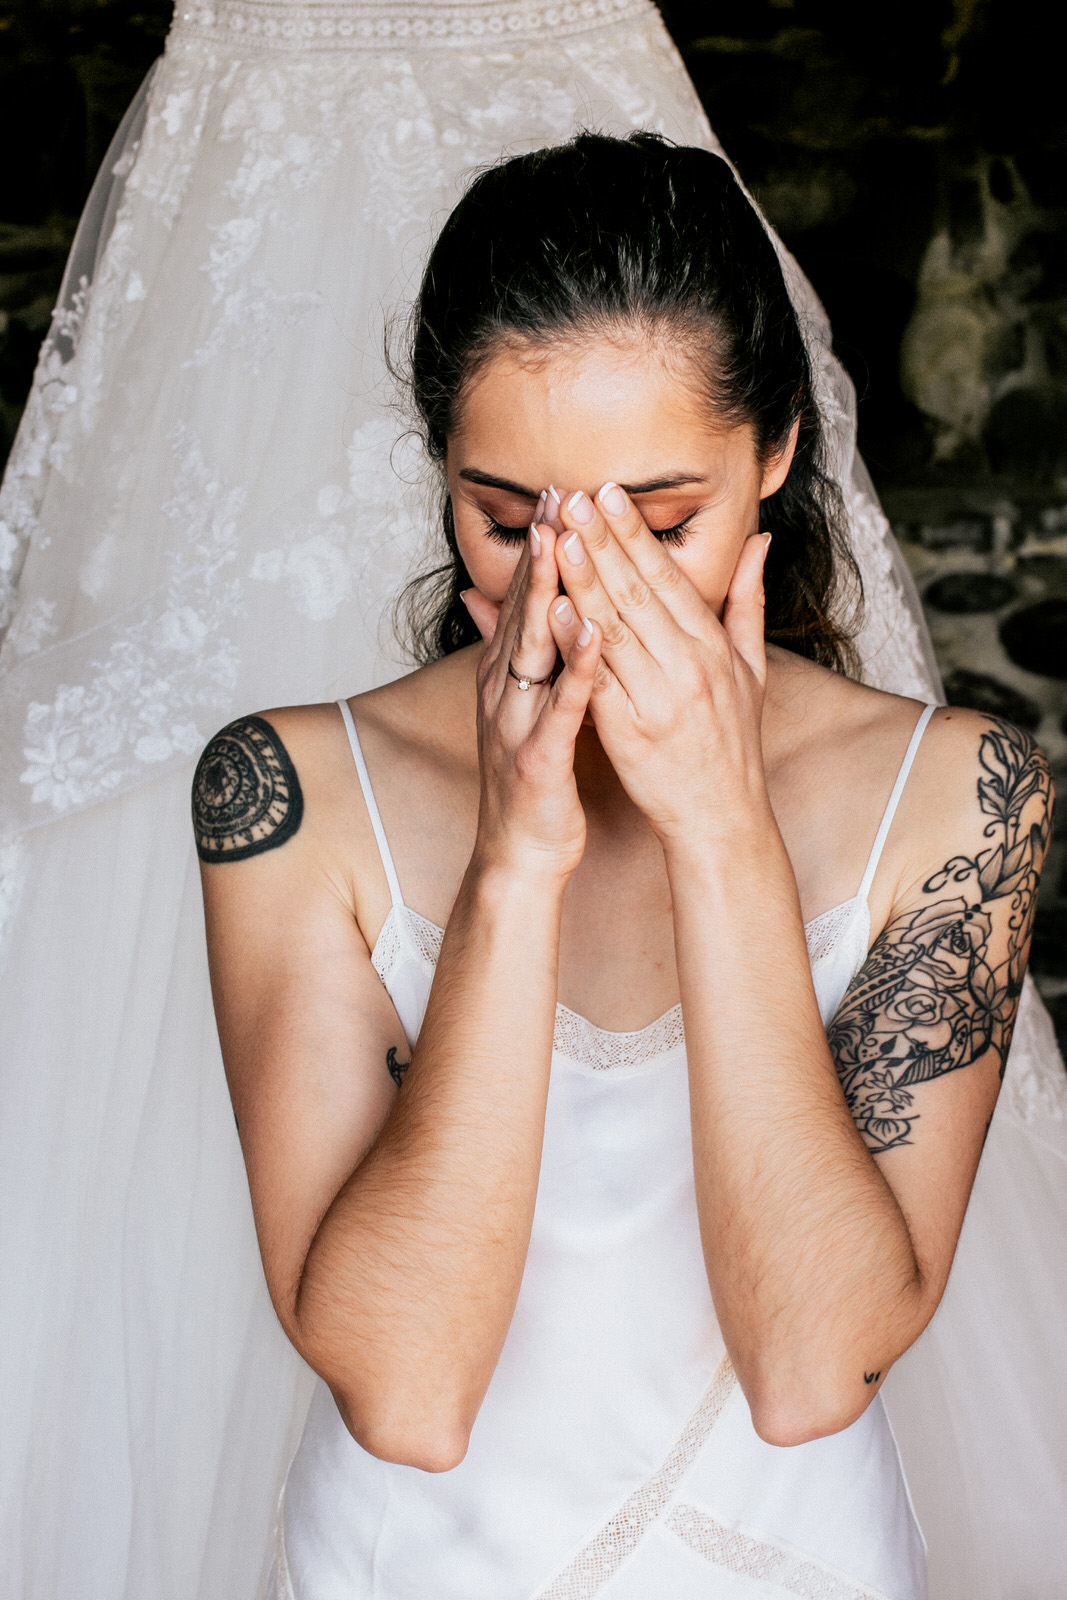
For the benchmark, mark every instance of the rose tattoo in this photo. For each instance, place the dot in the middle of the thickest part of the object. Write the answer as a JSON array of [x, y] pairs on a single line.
[[941, 984]]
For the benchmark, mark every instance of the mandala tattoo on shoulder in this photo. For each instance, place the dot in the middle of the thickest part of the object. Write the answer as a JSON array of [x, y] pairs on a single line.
[[246, 794], [941, 984]]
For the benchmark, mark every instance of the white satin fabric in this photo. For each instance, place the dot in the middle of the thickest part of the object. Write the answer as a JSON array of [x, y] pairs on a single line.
[[614, 1453], [204, 513]]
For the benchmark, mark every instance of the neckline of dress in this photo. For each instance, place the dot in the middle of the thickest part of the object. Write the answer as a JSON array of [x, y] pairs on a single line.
[[595, 1042]]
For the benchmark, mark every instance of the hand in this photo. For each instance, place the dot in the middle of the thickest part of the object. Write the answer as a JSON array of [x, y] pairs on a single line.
[[530, 813], [678, 696], [485, 613]]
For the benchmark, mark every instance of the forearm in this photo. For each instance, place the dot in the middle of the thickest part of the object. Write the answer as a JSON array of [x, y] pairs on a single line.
[[808, 1255], [411, 1280]]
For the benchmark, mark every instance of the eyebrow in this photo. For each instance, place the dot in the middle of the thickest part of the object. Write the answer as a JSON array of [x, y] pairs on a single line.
[[678, 480]]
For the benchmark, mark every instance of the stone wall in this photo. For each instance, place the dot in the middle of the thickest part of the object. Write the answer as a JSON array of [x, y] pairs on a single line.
[[914, 159], [912, 156]]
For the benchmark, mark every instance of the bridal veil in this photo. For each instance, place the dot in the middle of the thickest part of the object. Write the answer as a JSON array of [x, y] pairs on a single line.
[[211, 504]]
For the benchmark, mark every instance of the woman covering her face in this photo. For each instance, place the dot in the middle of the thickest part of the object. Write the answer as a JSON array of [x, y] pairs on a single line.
[[614, 1007]]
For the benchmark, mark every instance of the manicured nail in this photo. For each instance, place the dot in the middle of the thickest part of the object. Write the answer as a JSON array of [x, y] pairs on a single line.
[[539, 514], [463, 593], [562, 612], [580, 507], [535, 540], [585, 632], [553, 495], [612, 499], [572, 549]]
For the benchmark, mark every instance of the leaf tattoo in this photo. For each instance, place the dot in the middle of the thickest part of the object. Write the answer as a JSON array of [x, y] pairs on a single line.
[[397, 1068], [941, 984]]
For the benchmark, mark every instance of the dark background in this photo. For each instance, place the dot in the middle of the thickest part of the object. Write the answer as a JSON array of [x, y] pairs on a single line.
[[862, 130], [911, 156]]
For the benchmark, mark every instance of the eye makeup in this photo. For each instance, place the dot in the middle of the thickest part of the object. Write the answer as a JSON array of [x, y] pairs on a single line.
[[504, 534]]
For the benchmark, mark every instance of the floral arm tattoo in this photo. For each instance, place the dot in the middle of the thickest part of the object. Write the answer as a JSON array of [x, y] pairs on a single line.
[[941, 984]]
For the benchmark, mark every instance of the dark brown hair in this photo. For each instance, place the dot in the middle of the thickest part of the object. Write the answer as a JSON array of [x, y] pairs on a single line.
[[576, 240]]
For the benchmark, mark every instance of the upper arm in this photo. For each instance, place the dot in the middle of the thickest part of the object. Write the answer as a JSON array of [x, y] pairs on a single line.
[[921, 1037], [304, 1020]]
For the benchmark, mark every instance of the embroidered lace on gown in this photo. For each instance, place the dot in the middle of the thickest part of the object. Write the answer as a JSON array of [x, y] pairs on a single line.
[[206, 511]]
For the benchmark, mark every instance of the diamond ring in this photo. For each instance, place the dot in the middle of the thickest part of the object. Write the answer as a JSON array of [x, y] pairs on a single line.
[[522, 680]]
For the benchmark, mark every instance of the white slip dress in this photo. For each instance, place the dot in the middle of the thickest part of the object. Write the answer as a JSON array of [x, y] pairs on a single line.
[[614, 1454], [206, 511]]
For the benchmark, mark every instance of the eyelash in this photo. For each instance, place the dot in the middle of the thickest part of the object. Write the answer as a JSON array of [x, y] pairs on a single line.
[[500, 533]]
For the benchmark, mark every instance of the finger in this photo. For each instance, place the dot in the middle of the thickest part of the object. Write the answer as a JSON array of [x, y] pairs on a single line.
[[743, 615], [564, 622], [649, 557], [566, 704], [622, 649], [632, 598], [550, 514], [533, 647], [484, 613], [507, 622]]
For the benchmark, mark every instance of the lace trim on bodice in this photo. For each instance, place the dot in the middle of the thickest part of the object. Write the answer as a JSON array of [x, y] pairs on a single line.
[[826, 932], [342, 24], [406, 934]]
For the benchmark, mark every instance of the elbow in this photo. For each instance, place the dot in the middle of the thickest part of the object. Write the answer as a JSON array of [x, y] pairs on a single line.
[[798, 1413], [428, 1444], [786, 1426]]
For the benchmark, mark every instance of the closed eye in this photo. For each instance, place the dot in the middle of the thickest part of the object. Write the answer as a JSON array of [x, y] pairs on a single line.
[[501, 533]]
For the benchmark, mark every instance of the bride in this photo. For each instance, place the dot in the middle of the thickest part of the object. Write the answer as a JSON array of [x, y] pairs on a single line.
[[206, 510], [591, 1273]]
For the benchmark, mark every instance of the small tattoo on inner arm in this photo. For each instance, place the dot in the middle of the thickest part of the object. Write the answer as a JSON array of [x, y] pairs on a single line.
[[246, 794], [397, 1068], [871, 1377]]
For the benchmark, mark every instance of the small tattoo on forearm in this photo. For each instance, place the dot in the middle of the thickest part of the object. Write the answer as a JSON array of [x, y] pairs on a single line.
[[871, 1377], [246, 794], [397, 1068]]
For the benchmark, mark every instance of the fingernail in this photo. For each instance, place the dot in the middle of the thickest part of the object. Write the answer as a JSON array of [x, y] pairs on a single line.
[[553, 494], [572, 548], [535, 540], [563, 613], [612, 499], [539, 514], [585, 632], [463, 593], [580, 507]]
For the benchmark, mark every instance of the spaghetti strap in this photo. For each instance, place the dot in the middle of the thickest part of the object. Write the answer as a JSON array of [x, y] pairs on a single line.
[[892, 803], [372, 805]]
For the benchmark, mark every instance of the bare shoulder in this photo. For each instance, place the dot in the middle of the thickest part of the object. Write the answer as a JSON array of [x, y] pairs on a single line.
[[980, 801], [248, 794], [278, 810]]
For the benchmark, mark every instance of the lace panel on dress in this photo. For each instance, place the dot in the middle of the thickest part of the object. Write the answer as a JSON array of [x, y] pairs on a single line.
[[340, 24], [598, 1561], [577, 1039], [825, 933], [404, 932], [738, 1550]]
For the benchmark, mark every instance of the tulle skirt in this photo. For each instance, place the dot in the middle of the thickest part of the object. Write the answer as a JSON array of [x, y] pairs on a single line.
[[206, 511]]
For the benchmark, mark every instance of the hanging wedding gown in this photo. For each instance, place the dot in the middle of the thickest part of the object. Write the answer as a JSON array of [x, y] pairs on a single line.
[[211, 503]]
